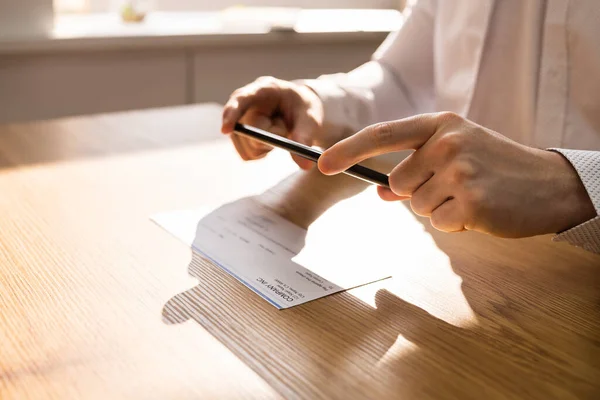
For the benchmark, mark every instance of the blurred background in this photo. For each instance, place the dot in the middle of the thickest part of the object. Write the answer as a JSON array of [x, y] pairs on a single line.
[[70, 57]]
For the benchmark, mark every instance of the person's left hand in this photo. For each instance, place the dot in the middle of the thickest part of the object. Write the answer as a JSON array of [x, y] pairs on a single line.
[[466, 177]]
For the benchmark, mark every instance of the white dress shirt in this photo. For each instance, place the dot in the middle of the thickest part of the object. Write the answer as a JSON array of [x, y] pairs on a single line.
[[528, 69]]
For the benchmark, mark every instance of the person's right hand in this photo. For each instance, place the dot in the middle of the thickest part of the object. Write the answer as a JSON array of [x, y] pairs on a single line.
[[281, 107]]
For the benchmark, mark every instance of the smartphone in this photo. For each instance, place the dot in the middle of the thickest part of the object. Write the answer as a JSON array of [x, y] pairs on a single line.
[[356, 171]]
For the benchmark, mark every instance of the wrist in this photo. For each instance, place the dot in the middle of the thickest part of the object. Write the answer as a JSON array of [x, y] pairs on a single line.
[[313, 105], [573, 203], [326, 104]]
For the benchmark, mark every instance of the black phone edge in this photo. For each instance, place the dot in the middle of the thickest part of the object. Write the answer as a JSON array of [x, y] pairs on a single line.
[[357, 171]]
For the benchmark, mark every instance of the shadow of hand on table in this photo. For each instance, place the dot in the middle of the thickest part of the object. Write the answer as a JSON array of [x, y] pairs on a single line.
[[523, 342]]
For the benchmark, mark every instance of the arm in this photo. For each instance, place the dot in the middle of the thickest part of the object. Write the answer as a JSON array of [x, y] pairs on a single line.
[[396, 83], [466, 177], [587, 165]]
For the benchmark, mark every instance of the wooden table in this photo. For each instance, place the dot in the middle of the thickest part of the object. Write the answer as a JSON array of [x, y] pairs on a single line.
[[98, 302]]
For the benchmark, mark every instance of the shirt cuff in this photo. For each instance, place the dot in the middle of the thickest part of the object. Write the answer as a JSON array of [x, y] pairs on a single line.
[[334, 98], [587, 165], [586, 235], [340, 117]]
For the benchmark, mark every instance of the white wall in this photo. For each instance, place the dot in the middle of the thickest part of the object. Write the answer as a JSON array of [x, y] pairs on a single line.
[[25, 17], [49, 86]]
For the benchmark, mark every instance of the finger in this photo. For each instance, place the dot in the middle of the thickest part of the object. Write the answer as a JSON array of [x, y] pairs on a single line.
[[278, 127], [412, 172], [261, 121], [263, 97], [430, 196], [304, 131], [232, 112], [385, 137], [240, 147], [448, 217], [387, 195]]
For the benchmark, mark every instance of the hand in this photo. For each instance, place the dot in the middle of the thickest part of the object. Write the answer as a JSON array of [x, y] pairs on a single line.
[[277, 106], [466, 177]]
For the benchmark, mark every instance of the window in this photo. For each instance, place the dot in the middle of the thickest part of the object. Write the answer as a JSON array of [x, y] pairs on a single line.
[[98, 6], [99, 17]]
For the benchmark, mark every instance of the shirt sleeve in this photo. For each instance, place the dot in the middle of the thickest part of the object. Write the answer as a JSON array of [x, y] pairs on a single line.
[[587, 165], [397, 82]]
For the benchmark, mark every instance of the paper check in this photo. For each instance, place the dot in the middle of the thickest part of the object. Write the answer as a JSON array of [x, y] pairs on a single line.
[[270, 255]]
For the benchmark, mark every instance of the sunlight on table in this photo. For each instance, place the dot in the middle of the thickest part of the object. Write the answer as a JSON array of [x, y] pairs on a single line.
[[366, 232]]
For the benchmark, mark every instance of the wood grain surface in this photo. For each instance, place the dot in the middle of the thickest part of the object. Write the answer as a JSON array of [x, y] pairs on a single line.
[[97, 302]]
